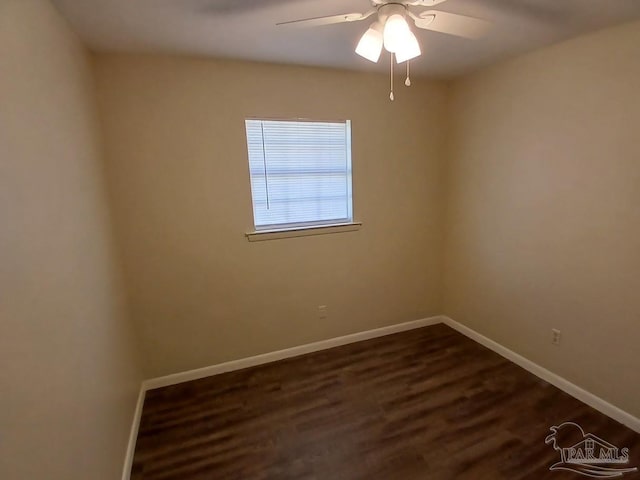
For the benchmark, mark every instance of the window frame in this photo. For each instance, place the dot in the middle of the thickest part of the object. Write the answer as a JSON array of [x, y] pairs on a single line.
[[317, 227]]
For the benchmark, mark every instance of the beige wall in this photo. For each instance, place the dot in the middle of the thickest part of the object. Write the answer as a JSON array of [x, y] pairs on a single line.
[[544, 209], [178, 171], [68, 376]]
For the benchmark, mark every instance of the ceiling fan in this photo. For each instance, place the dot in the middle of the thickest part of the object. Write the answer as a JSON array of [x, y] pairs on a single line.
[[391, 29]]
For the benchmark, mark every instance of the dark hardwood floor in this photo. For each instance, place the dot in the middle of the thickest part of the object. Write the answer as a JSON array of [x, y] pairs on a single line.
[[423, 404]]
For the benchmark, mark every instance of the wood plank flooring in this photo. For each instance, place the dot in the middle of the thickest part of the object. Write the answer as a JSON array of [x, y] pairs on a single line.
[[423, 404]]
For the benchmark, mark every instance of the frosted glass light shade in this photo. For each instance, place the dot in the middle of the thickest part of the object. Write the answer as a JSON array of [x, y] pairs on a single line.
[[395, 31], [409, 48], [370, 45]]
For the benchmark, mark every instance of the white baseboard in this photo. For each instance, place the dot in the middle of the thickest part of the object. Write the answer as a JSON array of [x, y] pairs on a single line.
[[562, 383], [286, 353], [133, 435]]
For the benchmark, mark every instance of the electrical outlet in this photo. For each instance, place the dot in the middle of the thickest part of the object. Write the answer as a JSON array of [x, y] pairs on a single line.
[[555, 336], [322, 311]]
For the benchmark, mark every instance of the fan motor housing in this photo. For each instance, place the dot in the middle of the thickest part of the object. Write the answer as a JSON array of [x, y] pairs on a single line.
[[388, 9]]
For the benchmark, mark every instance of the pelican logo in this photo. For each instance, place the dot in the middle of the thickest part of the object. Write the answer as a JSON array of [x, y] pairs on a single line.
[[587, 454]]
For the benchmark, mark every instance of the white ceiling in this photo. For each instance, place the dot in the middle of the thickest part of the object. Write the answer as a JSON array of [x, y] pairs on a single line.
[[246, 29]]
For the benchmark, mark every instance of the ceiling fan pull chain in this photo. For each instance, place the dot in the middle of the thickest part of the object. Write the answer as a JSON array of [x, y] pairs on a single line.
[[391, 97], [407, 82]]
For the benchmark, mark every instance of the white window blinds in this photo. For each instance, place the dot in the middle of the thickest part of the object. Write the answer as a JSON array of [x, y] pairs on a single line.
[[300, 173]]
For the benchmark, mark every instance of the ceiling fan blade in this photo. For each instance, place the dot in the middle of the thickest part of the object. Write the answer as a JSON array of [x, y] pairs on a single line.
[[424, 3], [319, 21], [451, 23]]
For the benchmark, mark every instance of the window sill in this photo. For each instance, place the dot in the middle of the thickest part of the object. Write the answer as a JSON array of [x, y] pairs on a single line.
[[261, 235]]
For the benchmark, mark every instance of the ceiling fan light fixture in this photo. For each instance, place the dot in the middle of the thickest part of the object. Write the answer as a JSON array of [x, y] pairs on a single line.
[[370, 44], [395, 31], [392, 32], [409, 48]]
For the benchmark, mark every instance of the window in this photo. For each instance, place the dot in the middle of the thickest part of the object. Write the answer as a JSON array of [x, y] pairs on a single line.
[[300, 173]]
